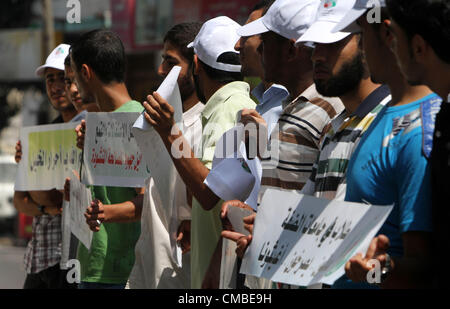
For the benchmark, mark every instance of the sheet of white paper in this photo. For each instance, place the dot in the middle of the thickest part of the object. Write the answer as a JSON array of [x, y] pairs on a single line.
[[306, 240], [111, 154], [231, 177], [236, 216], [80, 200], [159, 162], [49, 154]]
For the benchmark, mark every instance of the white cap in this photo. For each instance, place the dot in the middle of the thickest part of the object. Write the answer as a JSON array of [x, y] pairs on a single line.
[[288, 18], [348, 22], [55, 60], [330, 13], [217, 36]]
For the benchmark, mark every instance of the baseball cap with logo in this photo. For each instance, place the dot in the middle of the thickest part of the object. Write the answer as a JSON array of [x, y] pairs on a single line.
[[330, 13], [288, 18], [348, 22], [55, 60], [217, 36]]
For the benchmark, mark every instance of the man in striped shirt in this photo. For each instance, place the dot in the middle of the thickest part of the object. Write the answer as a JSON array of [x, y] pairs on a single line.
[[340, 70], [306, 114]]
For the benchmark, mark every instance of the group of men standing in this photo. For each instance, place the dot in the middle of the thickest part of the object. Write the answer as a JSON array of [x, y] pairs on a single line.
[[349, 103]]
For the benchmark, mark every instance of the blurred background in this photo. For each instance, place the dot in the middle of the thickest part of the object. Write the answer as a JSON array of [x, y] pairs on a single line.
[[29, 31]]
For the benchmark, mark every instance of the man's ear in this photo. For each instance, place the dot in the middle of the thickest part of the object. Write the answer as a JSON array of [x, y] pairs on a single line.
[[386, 33], [86, 72], [419, 48], [196, 65]]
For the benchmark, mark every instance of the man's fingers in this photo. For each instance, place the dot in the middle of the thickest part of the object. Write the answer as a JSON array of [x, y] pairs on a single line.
[[180, 236], [234, 236], [165, 106], [372, 248], [150, 111]]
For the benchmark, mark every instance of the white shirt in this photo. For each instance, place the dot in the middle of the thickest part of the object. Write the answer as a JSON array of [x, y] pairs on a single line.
[[154, 265]]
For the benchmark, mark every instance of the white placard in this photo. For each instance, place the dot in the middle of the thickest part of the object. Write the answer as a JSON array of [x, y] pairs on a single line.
[[303, 240], [49, 154], [80, 200], [111, 154]]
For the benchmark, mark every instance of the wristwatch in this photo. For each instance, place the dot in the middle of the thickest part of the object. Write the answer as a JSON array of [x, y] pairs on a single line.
[[42, 209]]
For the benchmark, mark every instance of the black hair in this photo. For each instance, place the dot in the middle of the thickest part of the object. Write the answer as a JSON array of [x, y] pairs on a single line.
[[181, 35], [224, 76], [427, 18], [67, 60], [384, 14], [103, 51], [263, 4]]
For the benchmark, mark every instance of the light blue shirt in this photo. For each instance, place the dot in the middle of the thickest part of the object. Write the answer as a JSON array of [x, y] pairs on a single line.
[[270, 103]]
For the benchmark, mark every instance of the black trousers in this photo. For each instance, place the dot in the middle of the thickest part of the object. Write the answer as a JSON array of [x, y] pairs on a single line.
[[50, 278]]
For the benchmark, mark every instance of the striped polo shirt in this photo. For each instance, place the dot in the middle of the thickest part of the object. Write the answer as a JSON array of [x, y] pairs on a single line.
[[328, 177], [297, 137]]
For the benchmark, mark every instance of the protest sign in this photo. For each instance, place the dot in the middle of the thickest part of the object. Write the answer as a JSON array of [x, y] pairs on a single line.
[[49, 154], [80, 200], [111, 154], [305, 240]]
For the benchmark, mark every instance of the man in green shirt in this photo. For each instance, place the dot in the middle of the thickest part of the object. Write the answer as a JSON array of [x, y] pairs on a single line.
[[218, 80], [98, 61]]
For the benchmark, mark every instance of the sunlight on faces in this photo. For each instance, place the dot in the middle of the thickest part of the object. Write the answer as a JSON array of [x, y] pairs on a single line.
[[172, 57], [71, 89], [80, 82], [54, 83], [377, 53], [247, 48], [274, 50], [338, 67], [401, 48]]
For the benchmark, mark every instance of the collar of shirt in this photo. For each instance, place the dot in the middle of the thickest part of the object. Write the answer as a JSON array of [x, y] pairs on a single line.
[[308, 94], [190, 116], [275, 91], [223, 94], [369, 103]]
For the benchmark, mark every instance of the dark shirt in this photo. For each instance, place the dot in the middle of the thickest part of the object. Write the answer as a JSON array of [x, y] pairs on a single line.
[[440, 164]]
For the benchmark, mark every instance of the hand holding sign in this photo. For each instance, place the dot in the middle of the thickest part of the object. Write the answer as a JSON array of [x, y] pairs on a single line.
[[159, 113]]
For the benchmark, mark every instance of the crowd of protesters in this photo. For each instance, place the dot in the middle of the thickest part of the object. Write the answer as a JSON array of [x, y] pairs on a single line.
[[353, 94]]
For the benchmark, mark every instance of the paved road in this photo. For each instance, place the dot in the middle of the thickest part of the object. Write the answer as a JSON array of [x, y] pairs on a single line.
[[12, 274]]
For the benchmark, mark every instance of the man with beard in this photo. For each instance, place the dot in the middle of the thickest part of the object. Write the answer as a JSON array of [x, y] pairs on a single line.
[[340, 69], [218, 80], [402, 169], [43, 253], [154, 266]]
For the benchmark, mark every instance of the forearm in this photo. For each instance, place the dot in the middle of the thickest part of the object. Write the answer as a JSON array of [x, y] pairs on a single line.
[[25, 204], [126, 212], [192, 171]]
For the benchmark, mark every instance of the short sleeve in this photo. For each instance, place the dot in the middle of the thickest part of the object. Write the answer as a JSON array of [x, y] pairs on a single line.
[[414, 186]]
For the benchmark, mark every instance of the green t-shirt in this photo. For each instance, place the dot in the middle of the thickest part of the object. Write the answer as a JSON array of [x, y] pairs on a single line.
[[111, 257]]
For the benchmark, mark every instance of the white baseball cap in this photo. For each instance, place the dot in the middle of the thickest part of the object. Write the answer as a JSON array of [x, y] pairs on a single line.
[[288, 18], [217, 36], [330, 13], [55, 60], [348, 22]]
